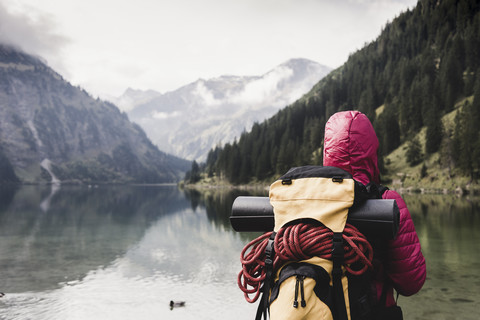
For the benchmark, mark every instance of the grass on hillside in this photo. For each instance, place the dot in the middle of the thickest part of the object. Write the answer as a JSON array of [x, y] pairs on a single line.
[[402, 176]]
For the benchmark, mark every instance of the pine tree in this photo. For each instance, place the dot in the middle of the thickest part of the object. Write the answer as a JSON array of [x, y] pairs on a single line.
[[465, 132], [388, 131], [414, 152], [423, 171], [234, 164], [422, 63], [452, 73], [195, 172], [475, 120], [262, 167], [434, 133]]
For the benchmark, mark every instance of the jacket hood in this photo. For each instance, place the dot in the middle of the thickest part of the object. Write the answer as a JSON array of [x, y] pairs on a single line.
[[351, 144]]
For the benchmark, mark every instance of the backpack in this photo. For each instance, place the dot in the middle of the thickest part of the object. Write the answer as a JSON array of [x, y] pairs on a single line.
[[316, 265]]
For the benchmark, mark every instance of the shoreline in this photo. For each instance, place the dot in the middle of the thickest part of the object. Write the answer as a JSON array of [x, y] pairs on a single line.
[[453, 189], [459, 189]]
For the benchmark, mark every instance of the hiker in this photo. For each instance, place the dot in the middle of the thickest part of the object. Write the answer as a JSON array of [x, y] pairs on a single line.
[[351, 144]]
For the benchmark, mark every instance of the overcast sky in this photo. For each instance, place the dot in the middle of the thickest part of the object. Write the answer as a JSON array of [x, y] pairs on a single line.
[[106, 46]]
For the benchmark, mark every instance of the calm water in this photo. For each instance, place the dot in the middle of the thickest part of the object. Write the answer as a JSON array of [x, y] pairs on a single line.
[[125, 252]]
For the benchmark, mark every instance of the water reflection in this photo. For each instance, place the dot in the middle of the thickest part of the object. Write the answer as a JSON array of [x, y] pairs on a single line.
[[448, 228], [80, 229], [218, 203], [45, 205], [118, 253], [123, 252]]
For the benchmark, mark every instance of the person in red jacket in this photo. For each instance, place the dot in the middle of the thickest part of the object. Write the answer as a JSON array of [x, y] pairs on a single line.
[[351, 144]]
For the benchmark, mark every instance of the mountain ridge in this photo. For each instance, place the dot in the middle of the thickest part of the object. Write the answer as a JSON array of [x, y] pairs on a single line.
[[194, 118], [418, 69], [46, 120]]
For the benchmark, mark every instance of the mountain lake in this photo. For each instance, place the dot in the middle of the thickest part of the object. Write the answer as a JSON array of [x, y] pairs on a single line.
[[124, 252]]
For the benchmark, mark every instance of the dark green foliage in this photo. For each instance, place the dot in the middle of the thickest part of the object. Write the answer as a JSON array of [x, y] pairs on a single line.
[[434, 132], [193, 175], [212, 158], [424, 171], [126, 162], [419, 67], [414, 152], [388, 131], [271, 147], [467, 134]]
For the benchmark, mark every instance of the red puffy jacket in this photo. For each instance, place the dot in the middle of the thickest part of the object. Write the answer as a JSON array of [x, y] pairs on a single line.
[[351, 144]]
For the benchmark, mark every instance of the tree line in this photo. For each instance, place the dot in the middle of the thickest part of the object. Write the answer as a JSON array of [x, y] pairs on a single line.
[[422, 64]]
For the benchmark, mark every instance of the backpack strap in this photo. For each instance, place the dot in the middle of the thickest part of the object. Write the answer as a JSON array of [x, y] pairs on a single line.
[[381, 189], [383, 297], [337, 257], [382, 311], [375, 191], [263, 306], [308, 270]]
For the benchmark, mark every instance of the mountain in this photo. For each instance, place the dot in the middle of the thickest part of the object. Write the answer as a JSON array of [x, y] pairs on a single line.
[[191, 120], [418, 82], [132, 98], [53, 131]]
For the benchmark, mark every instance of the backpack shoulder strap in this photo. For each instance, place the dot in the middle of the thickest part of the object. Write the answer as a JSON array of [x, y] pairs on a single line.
[[263, 306], [337, 273], [381, 189], [375, 191]]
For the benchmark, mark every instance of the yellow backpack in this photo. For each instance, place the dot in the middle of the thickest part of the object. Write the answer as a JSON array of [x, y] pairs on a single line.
[[316, 264]]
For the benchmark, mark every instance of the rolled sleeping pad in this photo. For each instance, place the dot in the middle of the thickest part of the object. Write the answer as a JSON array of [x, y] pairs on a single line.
[[375, 218]]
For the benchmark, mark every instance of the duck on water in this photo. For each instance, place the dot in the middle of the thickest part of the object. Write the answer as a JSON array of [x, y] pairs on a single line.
[[177, 304]]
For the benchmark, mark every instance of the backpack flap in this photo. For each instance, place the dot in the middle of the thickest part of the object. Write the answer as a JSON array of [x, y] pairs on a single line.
[[321, 193]]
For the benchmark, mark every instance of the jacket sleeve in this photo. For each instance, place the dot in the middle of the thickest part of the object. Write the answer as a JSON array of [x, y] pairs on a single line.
[[405, 264]]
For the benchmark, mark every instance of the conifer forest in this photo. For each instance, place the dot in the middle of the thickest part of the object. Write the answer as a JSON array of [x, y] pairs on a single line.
[[424, 65]]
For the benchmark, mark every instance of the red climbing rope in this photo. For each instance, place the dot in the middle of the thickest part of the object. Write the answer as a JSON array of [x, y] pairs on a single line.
[[298, 242]]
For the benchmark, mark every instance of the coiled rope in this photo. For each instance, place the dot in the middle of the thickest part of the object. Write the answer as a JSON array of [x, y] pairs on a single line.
[[298, 242]]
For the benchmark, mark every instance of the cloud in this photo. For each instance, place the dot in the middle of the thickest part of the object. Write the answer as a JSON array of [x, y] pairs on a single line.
[[263, 91], [32, 32], [165, 115], [164, 44], [203, 93]]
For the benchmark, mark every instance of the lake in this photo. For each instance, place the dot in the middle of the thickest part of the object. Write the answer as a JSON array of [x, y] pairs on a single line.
[[123, 252]]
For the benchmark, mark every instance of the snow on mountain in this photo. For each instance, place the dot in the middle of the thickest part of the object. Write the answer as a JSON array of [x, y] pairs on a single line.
[[191, 120], [132, 98]]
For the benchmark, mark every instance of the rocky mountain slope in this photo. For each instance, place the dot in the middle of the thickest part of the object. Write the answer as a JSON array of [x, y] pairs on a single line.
[[191, 120], [53, 131]]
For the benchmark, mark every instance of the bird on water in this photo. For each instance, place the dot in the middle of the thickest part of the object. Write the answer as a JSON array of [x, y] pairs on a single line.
[[176, 304]]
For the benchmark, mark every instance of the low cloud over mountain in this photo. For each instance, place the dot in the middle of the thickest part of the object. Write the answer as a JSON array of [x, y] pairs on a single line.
[[191, 120]]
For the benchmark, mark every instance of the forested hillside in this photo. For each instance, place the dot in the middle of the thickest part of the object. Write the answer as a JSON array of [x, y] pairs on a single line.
[[421, 66]]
